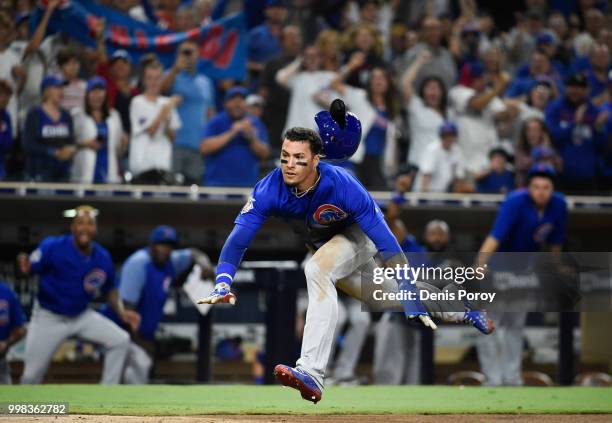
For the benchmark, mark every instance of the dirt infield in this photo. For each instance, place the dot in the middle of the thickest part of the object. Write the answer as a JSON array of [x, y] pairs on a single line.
[[389, 418]]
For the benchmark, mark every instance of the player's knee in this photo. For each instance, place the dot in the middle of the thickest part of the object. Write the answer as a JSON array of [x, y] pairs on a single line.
[[121, 340], [312, 271]]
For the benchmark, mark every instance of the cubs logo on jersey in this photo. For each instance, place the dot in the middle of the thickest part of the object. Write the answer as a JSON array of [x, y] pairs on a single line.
[[4, 312], [93, 281], [326, 214]]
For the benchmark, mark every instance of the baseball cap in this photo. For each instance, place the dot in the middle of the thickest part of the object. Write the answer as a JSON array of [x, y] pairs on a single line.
[[499, 150], [470, 28], [546, 38], [121, 54], [448, 127], [51, 81], [163, 235], [576, 80], [543, 170], [275, 3], [234, 91], [96, 82]]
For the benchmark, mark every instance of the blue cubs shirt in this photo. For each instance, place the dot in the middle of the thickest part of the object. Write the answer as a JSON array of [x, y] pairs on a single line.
[[496, 183], [6, 140], [70, 280], [101, 167], [338, 201], [11, 313], [235, 164], [145, 286], [520, 228]]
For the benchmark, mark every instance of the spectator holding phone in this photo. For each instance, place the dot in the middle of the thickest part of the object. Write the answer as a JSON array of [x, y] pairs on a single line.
[[197, 106]]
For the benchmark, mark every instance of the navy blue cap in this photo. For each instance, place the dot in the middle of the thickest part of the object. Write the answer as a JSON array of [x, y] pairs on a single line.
[[163, 234], [51, 81], [121, 54], [541, 169], [448, 127], [234, 91], [576, 80], [546, 38], [275, 3], [96, 82]]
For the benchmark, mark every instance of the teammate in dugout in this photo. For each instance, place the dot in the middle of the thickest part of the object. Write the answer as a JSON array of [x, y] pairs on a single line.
[[529, 220], [345, 227], [12, 328], [74, 270], [145, 278]]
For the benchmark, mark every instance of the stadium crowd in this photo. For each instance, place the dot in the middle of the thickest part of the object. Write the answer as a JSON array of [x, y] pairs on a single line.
[[444, 94]]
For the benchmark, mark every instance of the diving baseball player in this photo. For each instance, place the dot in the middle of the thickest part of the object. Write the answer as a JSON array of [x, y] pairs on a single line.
[[74, 270], [345, 227]]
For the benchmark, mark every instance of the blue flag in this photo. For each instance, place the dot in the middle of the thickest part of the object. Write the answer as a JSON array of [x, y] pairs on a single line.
[[222, 43]]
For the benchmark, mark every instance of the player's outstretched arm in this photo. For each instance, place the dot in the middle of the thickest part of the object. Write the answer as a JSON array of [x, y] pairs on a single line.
[[231, 255]]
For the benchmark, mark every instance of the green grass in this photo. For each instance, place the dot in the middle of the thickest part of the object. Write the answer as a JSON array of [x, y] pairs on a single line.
[[244, 399]]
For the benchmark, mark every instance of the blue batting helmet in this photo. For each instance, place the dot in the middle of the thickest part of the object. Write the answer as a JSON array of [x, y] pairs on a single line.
[[340, 131]]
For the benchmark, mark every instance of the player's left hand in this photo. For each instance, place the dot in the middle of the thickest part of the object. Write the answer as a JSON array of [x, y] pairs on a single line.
[[131, 318], [221, 294]]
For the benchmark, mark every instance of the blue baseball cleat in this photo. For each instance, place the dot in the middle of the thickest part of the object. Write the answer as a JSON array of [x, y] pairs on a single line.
[[479, 320], [298, 379]]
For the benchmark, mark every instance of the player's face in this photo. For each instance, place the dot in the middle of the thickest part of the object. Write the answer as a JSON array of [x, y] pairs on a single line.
[[84, 229], [297, 162], [160, 253], [540, 191]]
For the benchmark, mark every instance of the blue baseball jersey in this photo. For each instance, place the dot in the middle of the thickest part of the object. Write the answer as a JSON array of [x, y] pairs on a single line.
[[11, 313], [6, 140], [145, 286], [69, 279], [338, 201], [520, 228], [101, 167]]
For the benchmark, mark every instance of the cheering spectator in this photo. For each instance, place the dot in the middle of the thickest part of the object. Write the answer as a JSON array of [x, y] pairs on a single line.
[[477, 108], [264, 40], [539, 66], [578, 130], [521, 40], [377, 108], [197, 106], [12, 328], [427, 108], [154, 123], [497, 178], [328, 42], [442, 63], [255, 105], [363, 40], [73, 94], [99, 136], [48, 136], [233, 143], [598, 66], [304, 78], [441, 165], [116, 71], [6, 127], [10, 69], [594, 22], [533, 134], [277, 96]]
